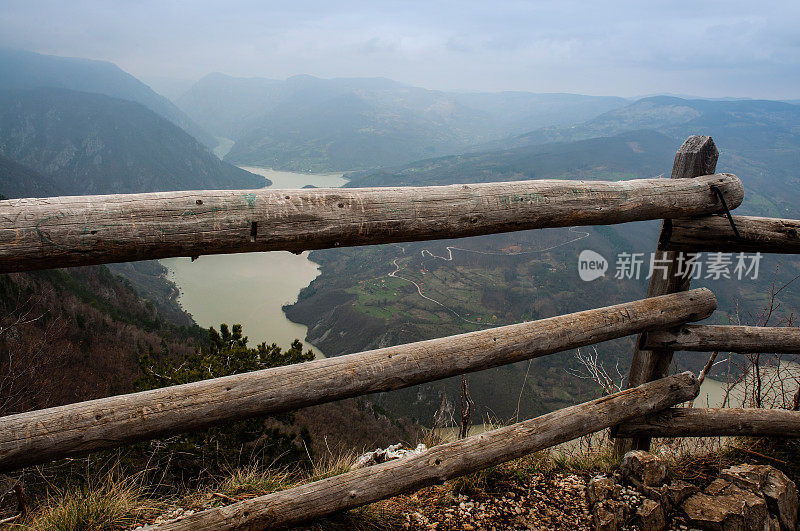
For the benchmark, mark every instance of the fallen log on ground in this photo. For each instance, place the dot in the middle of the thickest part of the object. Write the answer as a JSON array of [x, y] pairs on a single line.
[[715, 422], [440, 463], [75, 429], [83, 230]]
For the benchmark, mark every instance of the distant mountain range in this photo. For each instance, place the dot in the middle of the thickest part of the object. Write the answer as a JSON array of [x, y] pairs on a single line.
[[27, 70], [733, 123], [623, 156], [95, 144], [311, 124], [758, 140], [306, 123]]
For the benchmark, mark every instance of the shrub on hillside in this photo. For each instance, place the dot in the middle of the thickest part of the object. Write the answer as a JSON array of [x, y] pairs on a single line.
[[230, 444]]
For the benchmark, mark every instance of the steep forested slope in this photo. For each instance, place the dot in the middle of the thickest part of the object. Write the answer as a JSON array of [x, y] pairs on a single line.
[[94, 144], [76, 334], [17, 180]]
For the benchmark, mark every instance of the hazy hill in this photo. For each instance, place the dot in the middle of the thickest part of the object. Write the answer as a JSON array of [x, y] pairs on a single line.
[[739, 125], [169, 87], [733, 122], [94, 144], [759, 140], [17, 180], [307, 123], [517, 112], [349, 131], [222, 104], [634, 153], [26, 70], [227, 105]]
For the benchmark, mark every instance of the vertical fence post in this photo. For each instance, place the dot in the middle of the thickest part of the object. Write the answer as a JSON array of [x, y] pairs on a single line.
[[697, 156]]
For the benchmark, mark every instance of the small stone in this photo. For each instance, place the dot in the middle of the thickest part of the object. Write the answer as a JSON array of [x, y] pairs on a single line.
[[651, 516], [678, 491], [746, 476], [718, 486], [602, 488], [609, 515], [645, 467]]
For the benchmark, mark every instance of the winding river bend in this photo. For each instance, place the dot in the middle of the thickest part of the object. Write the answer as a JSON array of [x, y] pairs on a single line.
[[251, 288]]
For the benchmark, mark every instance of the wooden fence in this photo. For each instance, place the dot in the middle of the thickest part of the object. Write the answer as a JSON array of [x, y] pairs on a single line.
[[694, 204]]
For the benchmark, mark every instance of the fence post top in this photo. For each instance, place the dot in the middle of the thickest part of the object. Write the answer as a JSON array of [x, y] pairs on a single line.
[[697, 156]]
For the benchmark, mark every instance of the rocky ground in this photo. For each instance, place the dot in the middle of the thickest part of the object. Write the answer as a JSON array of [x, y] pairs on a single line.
[[542, 502], [638, 496]]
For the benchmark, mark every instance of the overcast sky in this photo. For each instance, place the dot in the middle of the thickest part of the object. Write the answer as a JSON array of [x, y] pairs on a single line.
[[703, 48]]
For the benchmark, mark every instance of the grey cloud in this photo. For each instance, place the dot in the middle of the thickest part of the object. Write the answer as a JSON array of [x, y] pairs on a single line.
[[730, 48]]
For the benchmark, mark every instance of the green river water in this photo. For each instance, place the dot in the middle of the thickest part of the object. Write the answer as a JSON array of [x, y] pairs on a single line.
[[251, 288]]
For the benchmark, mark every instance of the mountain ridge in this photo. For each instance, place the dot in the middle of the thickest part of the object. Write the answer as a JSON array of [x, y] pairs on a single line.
[[92, 144], [301, 123], [24, 70]]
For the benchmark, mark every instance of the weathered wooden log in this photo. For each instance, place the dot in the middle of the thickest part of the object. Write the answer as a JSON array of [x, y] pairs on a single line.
[[39, 436], [440, 463], [714, 422], [68, 231], [714, 233], [697, 156], [742, 339]]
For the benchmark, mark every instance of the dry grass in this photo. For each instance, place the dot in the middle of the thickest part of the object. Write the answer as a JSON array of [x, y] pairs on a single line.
[[110, 502], [330, 465], [254, 480], [599, 460]]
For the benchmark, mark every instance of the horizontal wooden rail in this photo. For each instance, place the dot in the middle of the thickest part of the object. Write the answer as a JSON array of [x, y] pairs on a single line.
[[710, 338], [440, 463], [714, 233], [69, 231], [715, 422], [39, 436]]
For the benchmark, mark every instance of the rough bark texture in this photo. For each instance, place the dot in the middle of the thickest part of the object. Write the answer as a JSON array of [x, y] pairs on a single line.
[[68, 231], [366, 485], [713, 422], [39, 436], [714, 233], [742, 339], [697, 155]]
